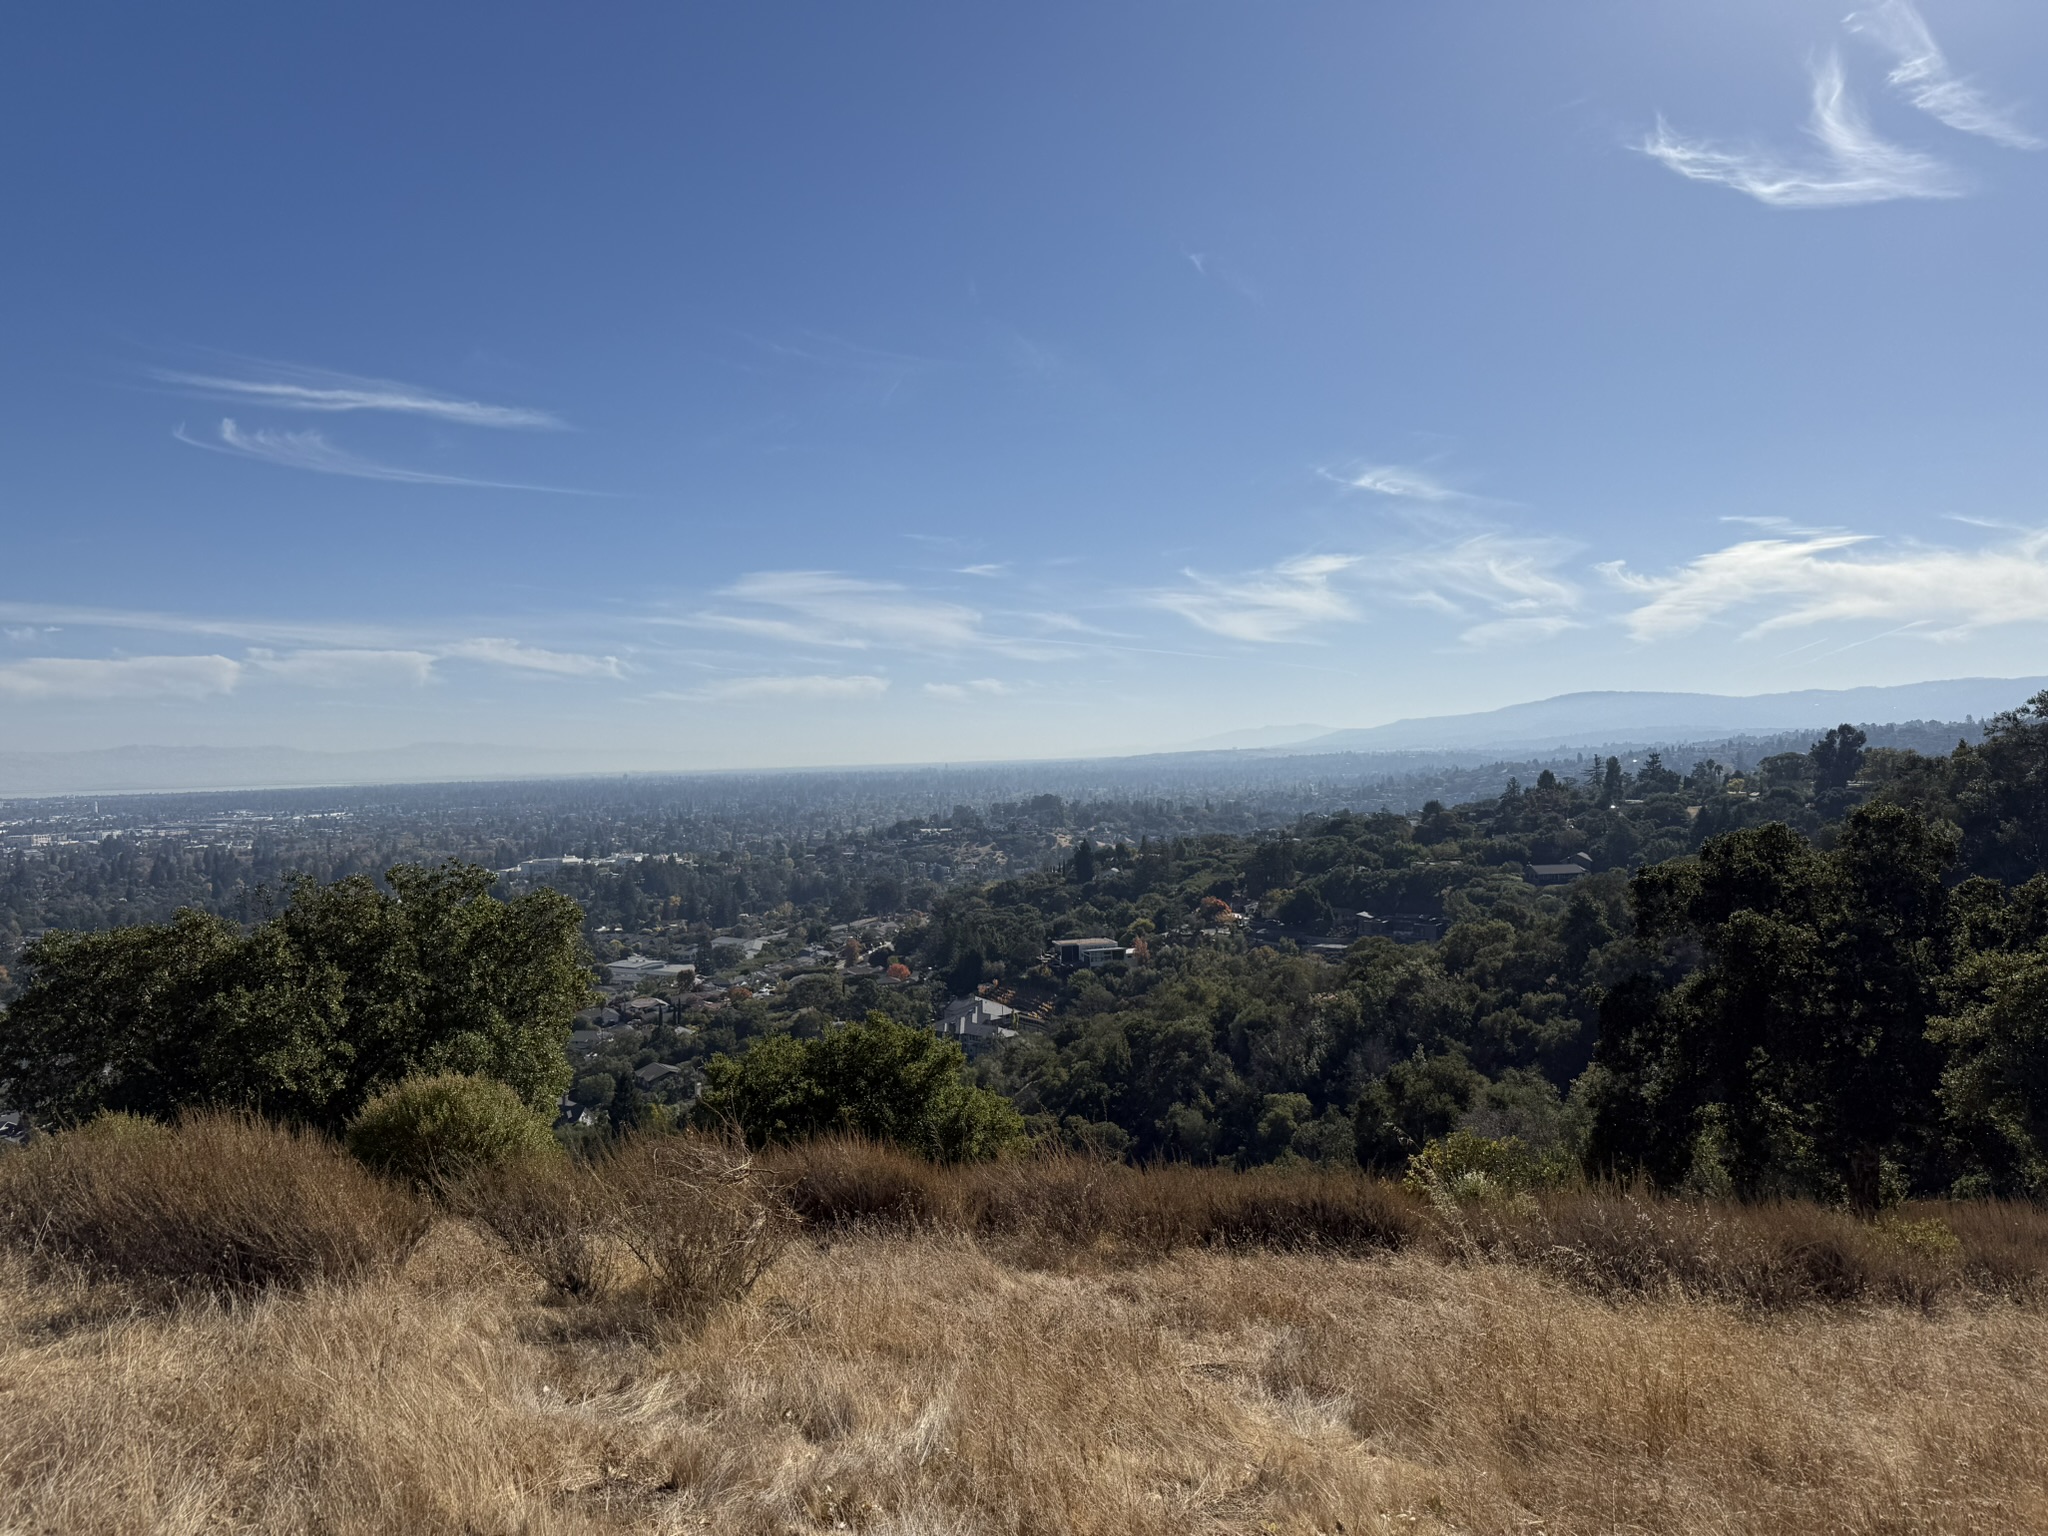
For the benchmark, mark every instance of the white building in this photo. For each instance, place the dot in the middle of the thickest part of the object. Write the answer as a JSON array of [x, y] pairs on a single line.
[[1093, 953], [976, 1018], [635, 969]]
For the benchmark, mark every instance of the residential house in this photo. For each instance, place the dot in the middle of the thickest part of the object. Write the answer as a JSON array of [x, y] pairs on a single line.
[[976, 1018], [1401, 927], [569, 1114], [636, 968], [1557, 874], [655, 1073], [646, 1012], [1070, 954]]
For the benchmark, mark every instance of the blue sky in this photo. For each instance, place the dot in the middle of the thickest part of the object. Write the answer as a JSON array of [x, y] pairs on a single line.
[[720, 386]]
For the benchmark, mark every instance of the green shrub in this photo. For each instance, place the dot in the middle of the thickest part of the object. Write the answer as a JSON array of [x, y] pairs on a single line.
[[878, 1079], [431, 1131], [1468, 1166], [218, 1202]]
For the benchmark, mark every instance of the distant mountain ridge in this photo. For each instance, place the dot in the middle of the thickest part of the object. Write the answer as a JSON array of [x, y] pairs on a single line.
[[1579, 720], [1561, 725]]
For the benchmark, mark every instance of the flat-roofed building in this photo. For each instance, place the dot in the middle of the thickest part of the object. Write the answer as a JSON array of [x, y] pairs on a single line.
[[1093, 953]]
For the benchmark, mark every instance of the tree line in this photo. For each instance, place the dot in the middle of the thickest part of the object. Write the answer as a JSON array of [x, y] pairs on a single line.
[[1828, 975]]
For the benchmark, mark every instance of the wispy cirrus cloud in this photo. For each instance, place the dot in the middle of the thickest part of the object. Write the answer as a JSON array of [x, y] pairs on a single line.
[[979, 687], [205, 676], [1399, 481], [1508, 586], [830, 609], [1279, 603], [1218, 269], [1923, 76], [810, 686], [519, 657], [52, 617], [1855, 166], [290, 387], [352, 668], [356, 667], [1502, 586], [850, 612], [310, 450], [120, 677], [297, 653], [1783, 583]]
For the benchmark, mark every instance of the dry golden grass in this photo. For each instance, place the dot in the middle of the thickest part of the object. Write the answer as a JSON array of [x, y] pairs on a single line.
[[664, 1229], [917, 1384], [1057, 1208], [219, 1202]]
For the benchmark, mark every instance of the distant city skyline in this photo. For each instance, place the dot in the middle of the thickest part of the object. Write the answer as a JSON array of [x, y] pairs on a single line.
[[903, 384]]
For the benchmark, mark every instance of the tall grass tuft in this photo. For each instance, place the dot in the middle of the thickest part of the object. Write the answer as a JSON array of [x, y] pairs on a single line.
[[666, 1229], [219, 1202], [1058, 1202], [1607, 1240], [697, 1214]]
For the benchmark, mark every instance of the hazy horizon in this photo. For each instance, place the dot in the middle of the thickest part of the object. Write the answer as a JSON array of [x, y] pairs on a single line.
[[1548, 730]]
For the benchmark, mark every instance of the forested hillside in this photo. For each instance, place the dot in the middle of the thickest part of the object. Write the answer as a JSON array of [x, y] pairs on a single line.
[[1826, 976], [1829, 978]]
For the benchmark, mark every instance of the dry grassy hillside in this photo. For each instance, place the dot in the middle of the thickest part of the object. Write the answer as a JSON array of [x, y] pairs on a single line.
[[1038, 1348]]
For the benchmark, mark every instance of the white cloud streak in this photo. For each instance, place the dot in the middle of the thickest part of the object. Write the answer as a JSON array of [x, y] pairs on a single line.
[[1509, 574], [812, 686], [323, 666], [283, 647], [828, 609], [518, 657], [123, 677], [1837, 577], [1266, 606], [1505, 586], [1400, 482], [980, 687], [310, 450], [1922, 75], [258, 631], [316, 389], [1856, 165], [344, 668]]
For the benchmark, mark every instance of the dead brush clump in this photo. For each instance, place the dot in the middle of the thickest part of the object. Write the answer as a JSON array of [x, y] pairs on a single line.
[[1055, 1203], [218, 1202], [661, 1231], [1064, 1199], [553, 1216], [1773, 1255], [848, 1183], [1610, 1240]]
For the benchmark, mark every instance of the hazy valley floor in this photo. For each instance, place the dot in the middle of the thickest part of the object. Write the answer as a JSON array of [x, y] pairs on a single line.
[[909, 1384]]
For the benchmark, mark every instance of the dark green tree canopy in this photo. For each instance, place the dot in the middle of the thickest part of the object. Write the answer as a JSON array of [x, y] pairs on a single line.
[[1802, 1031], [878, 1078], [1837, 757], [347, 991]]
